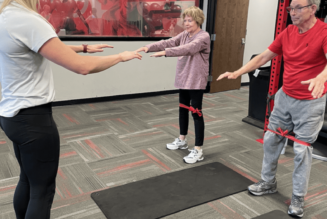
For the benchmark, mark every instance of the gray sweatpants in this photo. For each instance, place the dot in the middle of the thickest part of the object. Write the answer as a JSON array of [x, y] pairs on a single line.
[[305, 118]]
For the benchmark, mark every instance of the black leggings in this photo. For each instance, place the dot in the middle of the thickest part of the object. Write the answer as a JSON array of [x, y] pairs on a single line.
[[36, 143], [193, 98]]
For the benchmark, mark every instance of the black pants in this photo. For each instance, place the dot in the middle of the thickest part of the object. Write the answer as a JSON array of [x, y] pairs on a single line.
[[191, 98], [36, 143]]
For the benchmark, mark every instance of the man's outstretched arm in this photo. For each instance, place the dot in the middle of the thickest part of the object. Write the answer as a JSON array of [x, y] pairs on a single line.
[[253, 64]]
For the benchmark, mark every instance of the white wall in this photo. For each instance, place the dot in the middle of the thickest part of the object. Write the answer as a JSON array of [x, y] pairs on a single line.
[[205, 11], [136, 76], [260, 28]]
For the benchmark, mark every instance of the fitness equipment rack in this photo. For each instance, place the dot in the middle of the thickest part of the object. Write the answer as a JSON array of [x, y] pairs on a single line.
[[276, 63]]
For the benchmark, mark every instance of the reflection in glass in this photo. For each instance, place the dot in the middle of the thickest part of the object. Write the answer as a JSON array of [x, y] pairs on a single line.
[[133, 18]]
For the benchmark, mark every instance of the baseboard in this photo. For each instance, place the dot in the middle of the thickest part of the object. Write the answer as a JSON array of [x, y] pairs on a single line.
[[245, 84], [255, 122], [120, 97], [112, 98]]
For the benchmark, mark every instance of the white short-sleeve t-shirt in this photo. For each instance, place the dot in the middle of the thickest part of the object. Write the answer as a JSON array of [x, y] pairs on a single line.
[[25, 76]]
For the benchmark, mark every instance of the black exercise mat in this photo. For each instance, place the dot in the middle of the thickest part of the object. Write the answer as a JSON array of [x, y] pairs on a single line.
[[170, 193], [277, 214]]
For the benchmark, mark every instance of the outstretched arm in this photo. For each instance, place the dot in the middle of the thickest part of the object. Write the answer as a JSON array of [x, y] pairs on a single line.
[[255, 63], [317, 84], [90, 48], [59, 53], [191, 48], [188, 49], [161, 45]]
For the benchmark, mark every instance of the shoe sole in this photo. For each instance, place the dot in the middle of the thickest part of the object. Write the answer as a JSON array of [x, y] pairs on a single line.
[[263, 193], [182, 148], [201, 159], [299, 216]]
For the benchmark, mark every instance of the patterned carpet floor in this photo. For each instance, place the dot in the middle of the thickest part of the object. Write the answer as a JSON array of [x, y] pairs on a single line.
[[108, 144]]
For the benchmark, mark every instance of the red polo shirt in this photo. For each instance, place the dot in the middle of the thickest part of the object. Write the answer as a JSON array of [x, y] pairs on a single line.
[[304, 57]]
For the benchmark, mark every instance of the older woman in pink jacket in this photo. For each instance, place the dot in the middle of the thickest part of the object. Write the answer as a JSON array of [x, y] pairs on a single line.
[[192, 47]]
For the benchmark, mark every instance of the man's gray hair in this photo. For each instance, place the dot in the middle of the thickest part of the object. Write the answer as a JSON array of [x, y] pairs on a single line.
[[315, 2]]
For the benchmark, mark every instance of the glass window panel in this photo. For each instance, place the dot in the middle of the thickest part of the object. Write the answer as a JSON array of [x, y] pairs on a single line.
[[116, 18]]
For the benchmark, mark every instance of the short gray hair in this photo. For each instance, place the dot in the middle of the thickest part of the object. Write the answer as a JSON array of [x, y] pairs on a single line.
[[315, 2]]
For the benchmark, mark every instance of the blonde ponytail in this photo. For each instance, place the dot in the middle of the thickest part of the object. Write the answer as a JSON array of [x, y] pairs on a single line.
[[30, 5]]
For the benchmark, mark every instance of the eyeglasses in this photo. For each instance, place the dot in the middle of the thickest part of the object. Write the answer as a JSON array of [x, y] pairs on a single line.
[[296, 10]]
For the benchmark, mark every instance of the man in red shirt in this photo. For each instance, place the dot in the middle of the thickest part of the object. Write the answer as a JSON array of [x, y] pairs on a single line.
[[300, 103]]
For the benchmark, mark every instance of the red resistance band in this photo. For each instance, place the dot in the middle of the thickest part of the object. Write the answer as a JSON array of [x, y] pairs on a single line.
[[190, 108], [285, 134]]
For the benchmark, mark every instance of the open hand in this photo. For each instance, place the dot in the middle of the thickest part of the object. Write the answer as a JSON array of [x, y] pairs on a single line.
[[316, 85], [143, 49], [159, 54], [229, 75], [97, 48], [129, 55]]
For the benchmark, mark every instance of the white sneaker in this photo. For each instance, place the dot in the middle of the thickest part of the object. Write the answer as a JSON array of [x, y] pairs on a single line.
[[194, 156], [177, 144]]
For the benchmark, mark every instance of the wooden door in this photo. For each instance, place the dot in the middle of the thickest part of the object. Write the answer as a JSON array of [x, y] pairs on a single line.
[[227, 54]]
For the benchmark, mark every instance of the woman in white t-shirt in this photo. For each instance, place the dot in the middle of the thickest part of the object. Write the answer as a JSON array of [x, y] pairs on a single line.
[[27, 42]]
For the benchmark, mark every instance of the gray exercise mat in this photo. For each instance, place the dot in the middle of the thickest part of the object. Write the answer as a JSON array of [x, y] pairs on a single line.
[[170, 193]]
